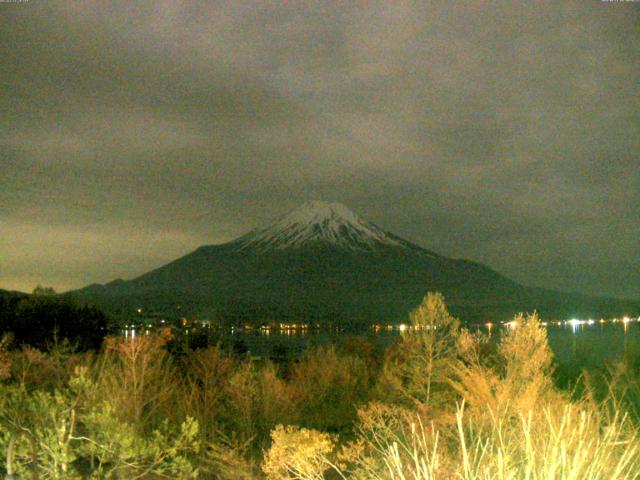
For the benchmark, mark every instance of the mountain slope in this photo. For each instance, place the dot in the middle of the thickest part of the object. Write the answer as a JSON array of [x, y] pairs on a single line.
[[322, 263], [330, 224]]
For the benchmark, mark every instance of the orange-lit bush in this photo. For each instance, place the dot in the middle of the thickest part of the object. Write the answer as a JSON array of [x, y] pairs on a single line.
[[298, 453], [327, 388], [418, 370], [445, 404], [139, 380]]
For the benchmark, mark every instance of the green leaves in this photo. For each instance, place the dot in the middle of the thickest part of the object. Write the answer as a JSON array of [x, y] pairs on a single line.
[[77, 436]]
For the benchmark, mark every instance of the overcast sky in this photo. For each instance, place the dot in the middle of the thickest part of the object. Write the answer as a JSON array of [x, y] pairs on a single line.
[[499, 131]]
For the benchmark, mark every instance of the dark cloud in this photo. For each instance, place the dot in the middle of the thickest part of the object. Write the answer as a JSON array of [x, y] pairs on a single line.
[[507, 133]]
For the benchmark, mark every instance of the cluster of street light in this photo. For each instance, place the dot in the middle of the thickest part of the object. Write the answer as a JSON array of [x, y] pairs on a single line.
[[573, 323], [302, 328]]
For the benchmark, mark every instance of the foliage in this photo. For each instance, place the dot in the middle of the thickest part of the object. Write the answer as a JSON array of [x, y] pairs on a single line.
[[68, 433], [328, 387], [207, 373], [226, 459], [617, 389], [517, 379], [517, 425], [136, 379], [5, 358], [390, 440], [43, 318], [565, 442], [298, 453], [417, 371], [444, 404], [48, 370]]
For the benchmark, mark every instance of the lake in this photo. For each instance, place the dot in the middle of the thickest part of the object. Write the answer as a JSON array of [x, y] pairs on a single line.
[[587, 343]]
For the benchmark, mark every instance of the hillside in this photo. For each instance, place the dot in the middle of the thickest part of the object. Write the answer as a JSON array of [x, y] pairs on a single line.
[[323, 263]]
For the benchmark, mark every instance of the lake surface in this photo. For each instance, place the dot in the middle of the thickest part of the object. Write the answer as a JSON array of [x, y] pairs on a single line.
[[589, 345]]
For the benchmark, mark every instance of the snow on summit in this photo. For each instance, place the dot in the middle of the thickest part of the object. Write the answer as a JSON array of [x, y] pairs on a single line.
[[319, 222]]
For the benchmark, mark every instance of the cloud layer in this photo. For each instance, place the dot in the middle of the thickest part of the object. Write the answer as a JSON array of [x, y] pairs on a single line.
[[130, 133]]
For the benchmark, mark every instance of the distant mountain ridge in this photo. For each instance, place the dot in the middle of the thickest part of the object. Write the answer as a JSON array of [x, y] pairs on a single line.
[[323, 263]]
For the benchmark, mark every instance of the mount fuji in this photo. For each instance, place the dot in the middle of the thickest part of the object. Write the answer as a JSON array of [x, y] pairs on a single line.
[[322, 263], [318, 223]]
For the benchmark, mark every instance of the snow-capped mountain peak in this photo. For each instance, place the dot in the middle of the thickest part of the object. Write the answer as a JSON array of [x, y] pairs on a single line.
[[319, 223]]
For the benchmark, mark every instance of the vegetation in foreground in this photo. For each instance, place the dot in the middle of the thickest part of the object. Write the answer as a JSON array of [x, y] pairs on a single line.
[[441, 404]]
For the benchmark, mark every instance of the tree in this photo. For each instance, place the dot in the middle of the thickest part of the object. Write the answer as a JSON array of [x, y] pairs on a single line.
[[45, 317], [72, 433], [418, 370]]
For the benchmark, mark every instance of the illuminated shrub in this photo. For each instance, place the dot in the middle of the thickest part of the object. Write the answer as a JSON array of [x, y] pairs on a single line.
[[71, 433], [328, 387], [516, 380], [298, 453], [207, 374], [445, 409], [138, 379], [558, 442], [418, 370], [391, 442]]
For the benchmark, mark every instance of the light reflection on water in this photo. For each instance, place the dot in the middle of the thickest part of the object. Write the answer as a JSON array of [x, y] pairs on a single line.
[[581, 342], [595, 343], [588, 343]]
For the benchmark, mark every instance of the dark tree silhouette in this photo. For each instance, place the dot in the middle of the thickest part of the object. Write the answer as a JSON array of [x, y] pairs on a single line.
[[44, 317]]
